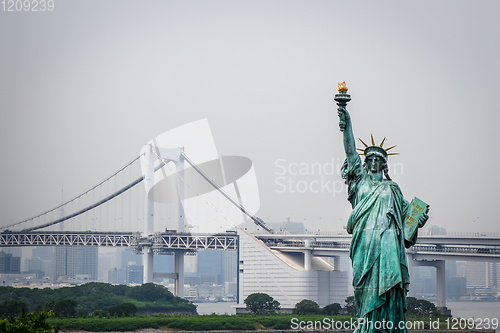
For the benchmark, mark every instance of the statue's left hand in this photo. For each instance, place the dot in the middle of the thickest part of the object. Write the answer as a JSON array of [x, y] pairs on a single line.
[[422, 219]]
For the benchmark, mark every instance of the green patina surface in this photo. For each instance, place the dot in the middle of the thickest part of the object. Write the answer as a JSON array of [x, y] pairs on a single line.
[[380, 269]]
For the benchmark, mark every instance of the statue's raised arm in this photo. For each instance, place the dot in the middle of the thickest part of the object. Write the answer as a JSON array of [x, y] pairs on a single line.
[[345, 123]]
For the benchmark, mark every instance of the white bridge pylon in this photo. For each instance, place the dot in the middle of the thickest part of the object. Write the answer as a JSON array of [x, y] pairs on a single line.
[[208, 176], [151, 156]]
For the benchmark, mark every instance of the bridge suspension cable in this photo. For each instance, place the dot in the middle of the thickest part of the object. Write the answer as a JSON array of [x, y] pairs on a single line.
[[255, 219], [128, 186], [73, 215]]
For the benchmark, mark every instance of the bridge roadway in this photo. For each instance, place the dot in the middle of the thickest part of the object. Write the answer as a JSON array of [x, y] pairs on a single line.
[[458, 238], [430, 250], [160, 243], [463, 247]]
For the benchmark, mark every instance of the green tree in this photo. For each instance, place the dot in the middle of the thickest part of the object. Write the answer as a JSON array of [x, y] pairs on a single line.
[[123, 310], [420, 307], [332, 309], [12, 308], [99, 314], [99, 296], [61, 307], [260, 303], [27, 323], [349, 306], [150, 292], [306, 306]]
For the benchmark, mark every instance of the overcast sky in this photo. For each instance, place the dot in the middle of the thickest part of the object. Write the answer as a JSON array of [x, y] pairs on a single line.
[[84, 86]]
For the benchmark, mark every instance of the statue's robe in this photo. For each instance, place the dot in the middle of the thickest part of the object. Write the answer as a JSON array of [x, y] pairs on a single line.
[[380, 268]]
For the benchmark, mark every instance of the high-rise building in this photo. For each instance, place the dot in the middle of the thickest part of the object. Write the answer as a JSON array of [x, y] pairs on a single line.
[[229, 266], [117, 276], [461, 268], [15, 251], [423, 281], [436, 230], [456, 282], [9, 263], [477, 274], [163, 264], [210, 264], [135, 274], [43, 252], [482, 279], [34, 265], [451, 268], [73, 260], [456, 287], [128, 256], [493, 275]]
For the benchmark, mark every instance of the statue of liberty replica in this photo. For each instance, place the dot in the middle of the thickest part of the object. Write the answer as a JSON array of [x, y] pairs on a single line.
[[382, 224]]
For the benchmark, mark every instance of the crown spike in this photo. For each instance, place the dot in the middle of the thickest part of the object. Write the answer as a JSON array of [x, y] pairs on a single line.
[[382, 143], [390, 148], [373, 141], [363, 142], [392, 153], [360, 149]]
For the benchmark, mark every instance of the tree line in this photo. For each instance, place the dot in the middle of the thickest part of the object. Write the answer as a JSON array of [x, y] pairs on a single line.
[[263, 304], [98, 299]]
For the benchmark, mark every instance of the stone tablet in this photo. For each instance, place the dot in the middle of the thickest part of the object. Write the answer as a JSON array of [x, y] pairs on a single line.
[[416, 209]]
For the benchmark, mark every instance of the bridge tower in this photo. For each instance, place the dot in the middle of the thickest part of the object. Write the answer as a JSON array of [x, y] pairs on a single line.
[[441, 280], [151, 155]]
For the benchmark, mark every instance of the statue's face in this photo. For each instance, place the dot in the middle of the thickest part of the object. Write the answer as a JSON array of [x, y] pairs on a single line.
[[375, 163]]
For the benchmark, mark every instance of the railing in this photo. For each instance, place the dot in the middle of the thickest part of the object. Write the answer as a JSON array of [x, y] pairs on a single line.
[[161, 243], [344, 234], [165, 243], [460, 234], [67, 239], [492, 251], [455, 249]]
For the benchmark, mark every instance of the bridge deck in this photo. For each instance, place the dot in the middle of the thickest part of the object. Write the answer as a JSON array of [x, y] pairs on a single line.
[[161, 243]]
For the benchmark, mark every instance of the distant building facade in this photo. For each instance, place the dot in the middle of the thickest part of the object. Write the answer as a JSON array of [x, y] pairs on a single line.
[[117, 276], [9, 264], [288, 227], [73, 260], [210, 264], [283, 276], [135, 274]]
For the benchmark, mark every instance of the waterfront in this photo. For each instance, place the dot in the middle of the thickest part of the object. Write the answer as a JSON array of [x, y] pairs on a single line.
[[464, 309], [217, 308], [474, 309]]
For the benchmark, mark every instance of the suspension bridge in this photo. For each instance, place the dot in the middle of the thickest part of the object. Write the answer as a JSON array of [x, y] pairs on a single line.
[[160, 186], [110, 213]]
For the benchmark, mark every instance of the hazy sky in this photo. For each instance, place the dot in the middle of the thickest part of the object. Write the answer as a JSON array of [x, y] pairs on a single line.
[[84, 86]]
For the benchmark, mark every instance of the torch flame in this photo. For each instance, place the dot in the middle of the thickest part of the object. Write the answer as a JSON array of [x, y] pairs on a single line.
[[342, 87]]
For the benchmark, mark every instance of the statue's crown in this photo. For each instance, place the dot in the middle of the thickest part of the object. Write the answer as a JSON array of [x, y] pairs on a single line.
[[376, 150]]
